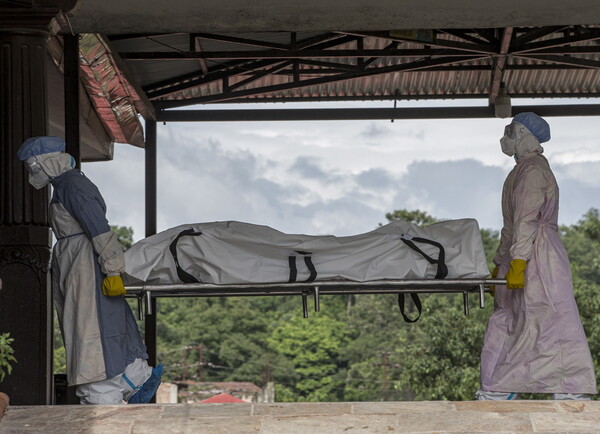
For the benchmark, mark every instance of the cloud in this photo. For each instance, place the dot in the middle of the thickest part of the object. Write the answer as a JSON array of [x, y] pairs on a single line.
[[307, 167], [453, 190], [375, 179], [319, 179], [374, 130]]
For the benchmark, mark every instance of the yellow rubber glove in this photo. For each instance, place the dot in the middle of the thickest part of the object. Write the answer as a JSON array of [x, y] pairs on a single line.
[[515, 278], [494, 275], [113, 286]]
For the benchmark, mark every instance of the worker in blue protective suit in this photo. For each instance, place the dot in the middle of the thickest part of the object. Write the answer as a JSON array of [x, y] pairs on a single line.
[[534, 341], [106, 358]]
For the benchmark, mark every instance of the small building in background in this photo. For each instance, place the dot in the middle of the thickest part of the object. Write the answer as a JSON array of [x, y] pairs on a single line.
[[196, 391], [222, 398]]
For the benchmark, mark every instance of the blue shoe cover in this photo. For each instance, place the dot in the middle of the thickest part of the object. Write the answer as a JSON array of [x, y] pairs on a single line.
[[145, 394]]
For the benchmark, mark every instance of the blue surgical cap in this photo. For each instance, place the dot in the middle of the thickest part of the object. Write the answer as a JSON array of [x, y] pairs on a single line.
[[40, 145], [535, 124]]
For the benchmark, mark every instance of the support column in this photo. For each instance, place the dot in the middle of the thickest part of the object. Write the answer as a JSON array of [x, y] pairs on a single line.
[[150, 320], [71, 72], [25, 299]]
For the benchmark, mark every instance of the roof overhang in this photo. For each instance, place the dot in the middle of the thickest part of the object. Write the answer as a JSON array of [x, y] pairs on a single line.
[[237, 16]]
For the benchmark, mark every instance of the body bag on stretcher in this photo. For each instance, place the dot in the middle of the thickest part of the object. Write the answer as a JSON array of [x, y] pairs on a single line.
[[231, 252]]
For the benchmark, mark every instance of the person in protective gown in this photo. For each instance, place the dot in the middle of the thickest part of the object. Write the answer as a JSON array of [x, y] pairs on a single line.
[[105, 355], [534, 341]]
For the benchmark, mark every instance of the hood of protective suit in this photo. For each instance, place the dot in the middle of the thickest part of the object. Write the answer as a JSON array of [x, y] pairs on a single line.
[[52, 165], [519, 141]]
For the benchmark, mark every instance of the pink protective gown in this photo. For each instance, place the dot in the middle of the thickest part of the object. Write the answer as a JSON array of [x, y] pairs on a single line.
[[534, 340]]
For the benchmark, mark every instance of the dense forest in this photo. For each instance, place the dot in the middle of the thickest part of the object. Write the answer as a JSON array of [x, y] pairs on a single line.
[[357, 348]]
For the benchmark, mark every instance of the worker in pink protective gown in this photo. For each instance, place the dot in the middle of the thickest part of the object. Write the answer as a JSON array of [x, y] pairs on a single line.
[[534, 342]]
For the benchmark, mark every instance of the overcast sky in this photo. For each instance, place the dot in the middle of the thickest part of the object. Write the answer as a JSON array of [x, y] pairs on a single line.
[[340, 177]]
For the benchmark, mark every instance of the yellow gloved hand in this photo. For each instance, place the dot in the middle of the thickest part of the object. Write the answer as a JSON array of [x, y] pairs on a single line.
[[515, 278], [113, 286], [494, 275]]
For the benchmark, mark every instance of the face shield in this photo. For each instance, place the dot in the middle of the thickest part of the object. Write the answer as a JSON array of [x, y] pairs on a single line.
[[37, 176]]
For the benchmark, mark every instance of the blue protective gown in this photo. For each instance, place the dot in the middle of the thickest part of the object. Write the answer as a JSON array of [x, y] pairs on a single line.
[[100, 333]]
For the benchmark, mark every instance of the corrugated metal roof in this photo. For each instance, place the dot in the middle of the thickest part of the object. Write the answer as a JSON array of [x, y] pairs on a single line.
[[182, 69]]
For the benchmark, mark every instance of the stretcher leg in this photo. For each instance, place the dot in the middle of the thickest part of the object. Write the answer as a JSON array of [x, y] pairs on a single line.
[[305, 305], [148, 297], [140, 309], [481, 296]]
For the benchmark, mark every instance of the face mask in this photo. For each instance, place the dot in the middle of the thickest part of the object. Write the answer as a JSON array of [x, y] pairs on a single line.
[[510, 139], [509, 145], [37, 177]]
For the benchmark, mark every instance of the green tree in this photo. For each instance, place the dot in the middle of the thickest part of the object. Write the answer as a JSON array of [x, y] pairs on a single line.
[[313, 347], [7, 358], [124, 235], [233, 333], [376, 328], [417, 217]]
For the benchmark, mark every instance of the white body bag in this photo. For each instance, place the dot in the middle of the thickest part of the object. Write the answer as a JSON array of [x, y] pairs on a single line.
[[232, 252]]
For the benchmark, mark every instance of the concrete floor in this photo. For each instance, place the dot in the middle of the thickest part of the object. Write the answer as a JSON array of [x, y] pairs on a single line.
[[312, 418]]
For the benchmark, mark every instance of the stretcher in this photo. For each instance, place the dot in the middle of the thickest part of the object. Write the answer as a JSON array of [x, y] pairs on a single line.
[[239, 259], [147, 292]]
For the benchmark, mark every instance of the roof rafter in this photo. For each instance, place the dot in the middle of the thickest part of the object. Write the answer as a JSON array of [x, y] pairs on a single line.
[[481, 48], [241, 41], [588, 35], [417, 65], [565, 60], [499, 62], [232, 68], [297, 54]]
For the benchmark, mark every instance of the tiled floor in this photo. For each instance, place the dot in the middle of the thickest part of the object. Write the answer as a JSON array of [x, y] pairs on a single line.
[[312, 418]]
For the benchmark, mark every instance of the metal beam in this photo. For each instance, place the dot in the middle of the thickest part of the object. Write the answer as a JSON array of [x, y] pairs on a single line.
[[462, 34], [240, 41], [436, 42], [367, 113], [587, 49], [233, 68], [295, 54], [151, 202], [157, 90], [499, 62], [387, 97], [564, 60], [590, 35], [196, 45], [538, 33], [419, 65], [260, 74]]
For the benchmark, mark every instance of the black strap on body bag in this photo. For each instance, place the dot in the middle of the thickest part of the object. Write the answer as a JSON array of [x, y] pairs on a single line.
[[442, 271], [309, 264], [184, 276]]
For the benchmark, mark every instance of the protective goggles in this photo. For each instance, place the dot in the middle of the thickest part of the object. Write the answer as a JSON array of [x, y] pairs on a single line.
[[33, 165], [510, 130]]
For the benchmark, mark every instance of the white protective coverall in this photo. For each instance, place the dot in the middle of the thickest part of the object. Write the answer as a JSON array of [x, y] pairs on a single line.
[[100, 333], [534, 340], [101, 337]]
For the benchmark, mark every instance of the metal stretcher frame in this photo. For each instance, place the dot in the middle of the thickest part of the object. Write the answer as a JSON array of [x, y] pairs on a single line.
[[146, 293]]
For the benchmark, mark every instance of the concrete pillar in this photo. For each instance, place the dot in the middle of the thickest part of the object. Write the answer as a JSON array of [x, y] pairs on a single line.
[[25, 299]]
